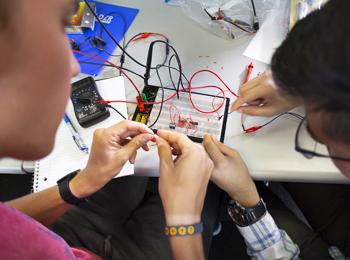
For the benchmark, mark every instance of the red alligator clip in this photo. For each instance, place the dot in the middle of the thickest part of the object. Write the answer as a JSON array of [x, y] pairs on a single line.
[[140, 104]]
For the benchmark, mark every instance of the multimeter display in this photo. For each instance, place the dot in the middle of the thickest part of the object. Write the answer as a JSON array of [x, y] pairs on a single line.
[[84, 96]]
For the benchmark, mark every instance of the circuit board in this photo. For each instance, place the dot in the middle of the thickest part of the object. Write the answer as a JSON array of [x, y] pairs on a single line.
[[178, 113]]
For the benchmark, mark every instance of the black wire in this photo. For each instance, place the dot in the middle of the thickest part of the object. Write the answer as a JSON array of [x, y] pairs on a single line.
[[115, 41], [253, 5], [161, 104], [122, 57], [149, 60], [116, 110], [296, 115], [108, 65], [300, 117], [111, 36], [182, 76], [171, 76], [282, 114]]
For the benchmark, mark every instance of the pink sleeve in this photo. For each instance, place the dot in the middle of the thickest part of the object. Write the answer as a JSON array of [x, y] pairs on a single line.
[[21, 237]]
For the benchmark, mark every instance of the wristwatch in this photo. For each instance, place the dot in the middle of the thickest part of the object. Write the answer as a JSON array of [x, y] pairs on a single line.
[[65, 192], [244, 217]]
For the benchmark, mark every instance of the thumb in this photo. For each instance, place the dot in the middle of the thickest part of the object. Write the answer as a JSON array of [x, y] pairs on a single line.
[[165, 154], [237, 103], [137, 142], [213, 150]]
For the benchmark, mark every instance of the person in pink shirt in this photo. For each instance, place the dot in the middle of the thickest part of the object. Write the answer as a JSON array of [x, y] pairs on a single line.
[[36, 67]]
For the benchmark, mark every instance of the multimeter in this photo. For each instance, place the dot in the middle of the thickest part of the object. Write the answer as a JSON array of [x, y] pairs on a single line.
[[84, 96]]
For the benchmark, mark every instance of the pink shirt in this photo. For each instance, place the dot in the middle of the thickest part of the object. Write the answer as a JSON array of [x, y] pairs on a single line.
[[21, 237]]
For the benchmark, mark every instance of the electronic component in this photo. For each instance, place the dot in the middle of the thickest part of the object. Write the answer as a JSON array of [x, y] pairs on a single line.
[[179, 115], [84, 96], [83, 19], [172, 125]]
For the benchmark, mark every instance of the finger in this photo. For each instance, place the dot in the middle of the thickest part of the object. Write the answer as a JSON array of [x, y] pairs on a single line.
[[237, 103], [126, 128], [145, 147], [256, 102], [248, 98], [165, 156], [250, 92], [265, 110], [212, 149], [224, 149], [177, 140], [134, 144], [253, 83], [127, 140], [133, 158]]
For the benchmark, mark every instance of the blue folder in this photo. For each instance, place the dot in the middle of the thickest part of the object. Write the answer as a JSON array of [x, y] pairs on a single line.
[[117, 20]]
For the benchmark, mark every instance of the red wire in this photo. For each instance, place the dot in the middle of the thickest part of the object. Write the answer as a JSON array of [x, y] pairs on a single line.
[[216, 75], [171, 97], [223, 93], [189, 88]]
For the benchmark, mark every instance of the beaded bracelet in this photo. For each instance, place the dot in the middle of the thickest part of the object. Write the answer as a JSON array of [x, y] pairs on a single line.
[[184, 230]]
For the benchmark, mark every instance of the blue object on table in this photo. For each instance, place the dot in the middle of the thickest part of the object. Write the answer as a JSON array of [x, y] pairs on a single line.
[[117, 20], [75, 135]]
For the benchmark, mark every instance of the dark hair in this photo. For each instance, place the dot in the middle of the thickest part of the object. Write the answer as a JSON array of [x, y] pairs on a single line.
[[313, 63]]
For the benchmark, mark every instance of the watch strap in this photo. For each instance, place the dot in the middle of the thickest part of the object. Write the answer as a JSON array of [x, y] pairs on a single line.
[[65, 192], [246, 216]]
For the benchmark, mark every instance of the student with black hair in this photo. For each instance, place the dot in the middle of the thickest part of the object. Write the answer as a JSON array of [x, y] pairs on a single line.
[[310, 68]]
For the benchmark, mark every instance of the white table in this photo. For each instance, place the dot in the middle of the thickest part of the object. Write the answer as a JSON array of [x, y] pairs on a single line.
[[269, 153]]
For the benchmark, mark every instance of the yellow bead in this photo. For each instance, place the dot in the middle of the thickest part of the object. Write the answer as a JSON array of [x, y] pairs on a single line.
[[182, 231], [190, 230], [173, 231]]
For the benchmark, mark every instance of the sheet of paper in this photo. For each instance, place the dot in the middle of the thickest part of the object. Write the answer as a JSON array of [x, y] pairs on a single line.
[[66, 157], [271, 34]]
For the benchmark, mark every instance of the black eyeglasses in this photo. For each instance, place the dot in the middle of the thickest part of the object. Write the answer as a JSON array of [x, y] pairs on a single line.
[[309, 147]]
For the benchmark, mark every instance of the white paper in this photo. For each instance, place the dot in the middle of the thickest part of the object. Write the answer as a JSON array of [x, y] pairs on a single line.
[[66, 156], [270, 36]]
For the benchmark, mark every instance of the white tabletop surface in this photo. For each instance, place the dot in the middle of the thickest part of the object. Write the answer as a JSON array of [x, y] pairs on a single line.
[[269, 153]]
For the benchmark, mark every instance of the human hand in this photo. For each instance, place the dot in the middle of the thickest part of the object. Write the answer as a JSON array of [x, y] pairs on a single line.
[[183, 182], [111, 149], [262, 98], [230, 173]]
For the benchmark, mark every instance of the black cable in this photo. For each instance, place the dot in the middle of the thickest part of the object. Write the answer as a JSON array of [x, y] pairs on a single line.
[[295, 115], [111, 36], [108, 65], [171, 77], [114, 40], [149, 60], [116, 110], [122, 57], [255, 19], [161, 104], [182, 76], [253, 5]]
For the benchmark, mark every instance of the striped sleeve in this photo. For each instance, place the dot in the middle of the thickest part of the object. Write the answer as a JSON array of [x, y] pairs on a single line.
[[265, 240]]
